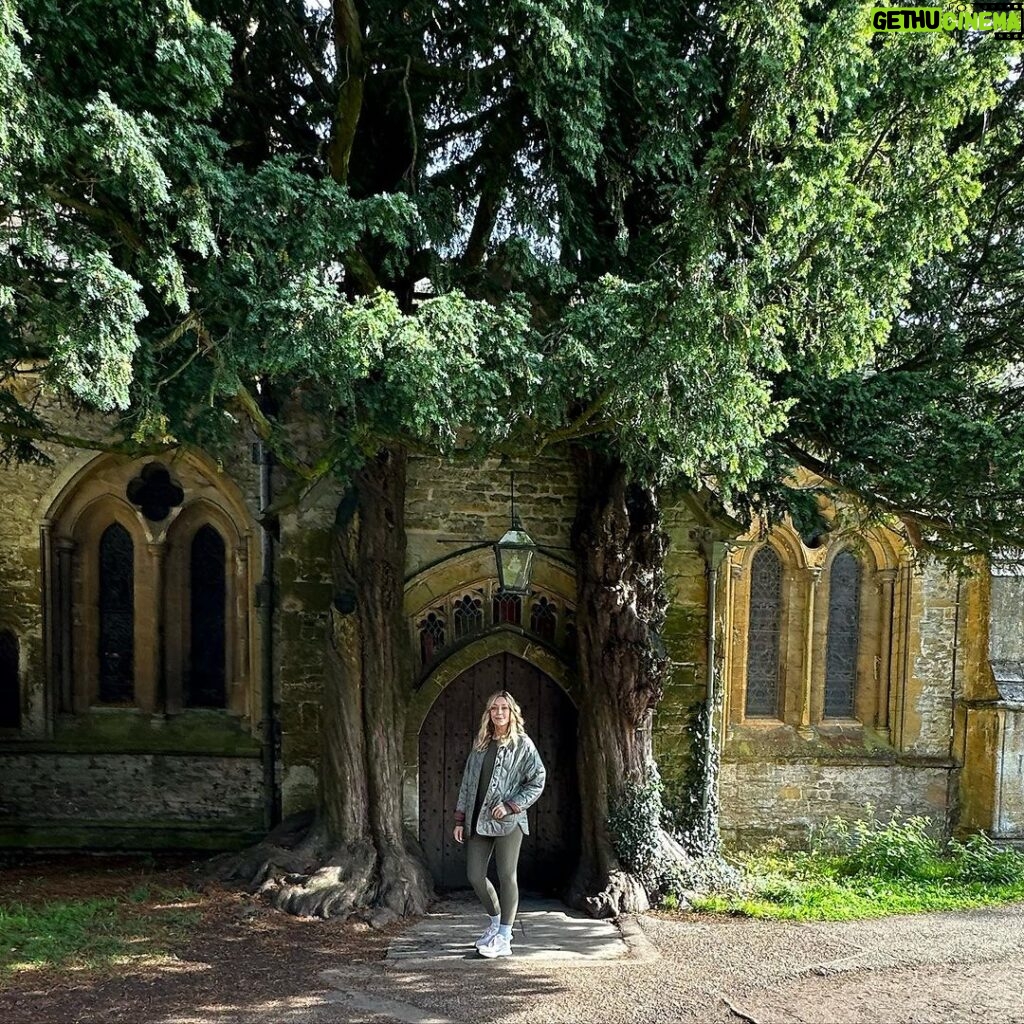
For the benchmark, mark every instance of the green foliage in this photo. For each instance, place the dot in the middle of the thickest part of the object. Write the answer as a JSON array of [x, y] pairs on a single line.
[[683, 812], [893, 849], [869, 868], [680, 880], [978, 859], [788, 241], [94, 933], [634, 820]]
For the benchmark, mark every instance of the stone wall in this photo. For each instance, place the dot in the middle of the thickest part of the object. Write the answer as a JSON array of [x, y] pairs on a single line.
[[1009, 816], [304, 585], [115, 776], [135, 800], [766, 802], [1006, 632], [685, 637], [925, 723], [451, 505]]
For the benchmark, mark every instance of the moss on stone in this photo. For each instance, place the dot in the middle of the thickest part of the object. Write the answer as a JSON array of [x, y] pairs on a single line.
[[113, 730]]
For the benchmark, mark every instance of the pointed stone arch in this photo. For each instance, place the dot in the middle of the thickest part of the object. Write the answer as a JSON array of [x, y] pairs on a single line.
[[86, 497], [441, 722]]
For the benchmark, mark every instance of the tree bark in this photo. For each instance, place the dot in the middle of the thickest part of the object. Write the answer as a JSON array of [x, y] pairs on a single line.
[[619, 551], [355, 856]]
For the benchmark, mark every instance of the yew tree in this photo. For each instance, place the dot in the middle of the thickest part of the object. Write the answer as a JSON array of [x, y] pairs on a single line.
[[686, 245]]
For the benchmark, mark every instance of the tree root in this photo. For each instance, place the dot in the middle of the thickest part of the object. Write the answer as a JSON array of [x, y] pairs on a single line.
[[619, 891], [297, 870], [622, 893]]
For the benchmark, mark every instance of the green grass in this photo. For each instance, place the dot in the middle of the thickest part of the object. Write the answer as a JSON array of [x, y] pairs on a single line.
[[90, 933], [870, 869]]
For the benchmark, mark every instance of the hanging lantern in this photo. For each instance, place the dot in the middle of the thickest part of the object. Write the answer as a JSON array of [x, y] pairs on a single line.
[[514, 555]]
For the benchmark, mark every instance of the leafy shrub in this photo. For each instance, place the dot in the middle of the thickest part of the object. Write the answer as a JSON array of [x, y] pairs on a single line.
[[978, 859], [634, 822], [870, 868], [894, 849], [711, 873]]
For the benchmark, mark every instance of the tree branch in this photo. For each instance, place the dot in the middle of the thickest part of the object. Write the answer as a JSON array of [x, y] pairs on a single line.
[[504, 141], [127, 447], [827, 474], [98, 215], [305, 54], [348, 45], [580, 426]]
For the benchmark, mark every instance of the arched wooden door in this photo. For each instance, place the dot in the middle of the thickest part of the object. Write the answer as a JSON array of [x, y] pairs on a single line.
[[551, 850]]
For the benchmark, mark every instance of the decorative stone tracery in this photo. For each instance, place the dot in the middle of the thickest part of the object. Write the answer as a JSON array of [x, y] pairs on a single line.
[[469, 612], [814, 643], [147, 588]]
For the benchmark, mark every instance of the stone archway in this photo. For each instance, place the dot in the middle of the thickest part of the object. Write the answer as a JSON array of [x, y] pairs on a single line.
[[550, 852]]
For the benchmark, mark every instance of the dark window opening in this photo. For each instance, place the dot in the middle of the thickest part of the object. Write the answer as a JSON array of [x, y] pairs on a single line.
[[843, 636], [10, 682], [207, 675], [154, 493], [431, 637], [117, 615], [544, 619], [508, 608], [467, 616], [763, 634]]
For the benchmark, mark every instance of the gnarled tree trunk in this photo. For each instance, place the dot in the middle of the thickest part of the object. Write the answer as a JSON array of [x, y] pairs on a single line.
[[355, 856], [619, 550]]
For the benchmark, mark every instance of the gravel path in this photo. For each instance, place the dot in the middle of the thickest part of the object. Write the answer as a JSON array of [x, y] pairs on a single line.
[[250, 965], [926, 968]]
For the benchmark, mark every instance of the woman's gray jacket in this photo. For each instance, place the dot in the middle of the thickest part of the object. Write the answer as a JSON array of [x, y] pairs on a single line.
[[517, 780]]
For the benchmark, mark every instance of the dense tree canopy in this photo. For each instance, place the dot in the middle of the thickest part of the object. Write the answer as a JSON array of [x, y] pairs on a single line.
[[698, 243], [713, 239]]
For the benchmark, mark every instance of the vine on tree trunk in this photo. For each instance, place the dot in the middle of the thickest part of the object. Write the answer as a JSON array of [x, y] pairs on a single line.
[[621, 605]]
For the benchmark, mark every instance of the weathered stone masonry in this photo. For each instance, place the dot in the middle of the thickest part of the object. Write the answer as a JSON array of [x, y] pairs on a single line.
[[940, 697]]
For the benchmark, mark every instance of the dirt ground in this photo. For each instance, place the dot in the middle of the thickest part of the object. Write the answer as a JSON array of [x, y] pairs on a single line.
[[241, 963]]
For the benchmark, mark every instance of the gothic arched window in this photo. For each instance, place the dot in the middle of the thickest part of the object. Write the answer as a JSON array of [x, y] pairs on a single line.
[[843, 636], [467, 616], [508, 608], [206, 681], [117, 615], [431, 636], [763, 634], [10, 681], [544, 619]]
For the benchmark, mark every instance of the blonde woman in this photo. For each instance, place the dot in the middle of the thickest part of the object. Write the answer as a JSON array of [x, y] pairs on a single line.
[[504, 775]]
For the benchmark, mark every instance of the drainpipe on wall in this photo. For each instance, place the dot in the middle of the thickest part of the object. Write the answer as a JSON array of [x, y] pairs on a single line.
[[956, 651], [265, 603], [714, 553]]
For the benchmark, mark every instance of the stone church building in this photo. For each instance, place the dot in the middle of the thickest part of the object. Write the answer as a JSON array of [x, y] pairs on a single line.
[[153, 635]]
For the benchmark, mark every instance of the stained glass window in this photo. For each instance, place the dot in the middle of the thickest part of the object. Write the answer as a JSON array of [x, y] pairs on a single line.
[[117, 615], [10, 684], [544, 619], [467, 616], [431, 636], [763, 635], [206, 684], [843, 636], [508, 608]]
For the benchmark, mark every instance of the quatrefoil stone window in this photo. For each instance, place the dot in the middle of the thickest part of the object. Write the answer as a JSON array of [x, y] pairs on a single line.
[[154, 493]]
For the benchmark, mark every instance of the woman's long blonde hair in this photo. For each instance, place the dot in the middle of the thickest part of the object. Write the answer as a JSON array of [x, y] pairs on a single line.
[[516, 727]]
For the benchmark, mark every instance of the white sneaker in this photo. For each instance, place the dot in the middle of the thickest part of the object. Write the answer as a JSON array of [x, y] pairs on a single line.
[[498, 946], [489, 932]]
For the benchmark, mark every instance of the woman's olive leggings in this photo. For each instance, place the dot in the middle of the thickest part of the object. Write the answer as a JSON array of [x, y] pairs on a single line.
[[506, 856]]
